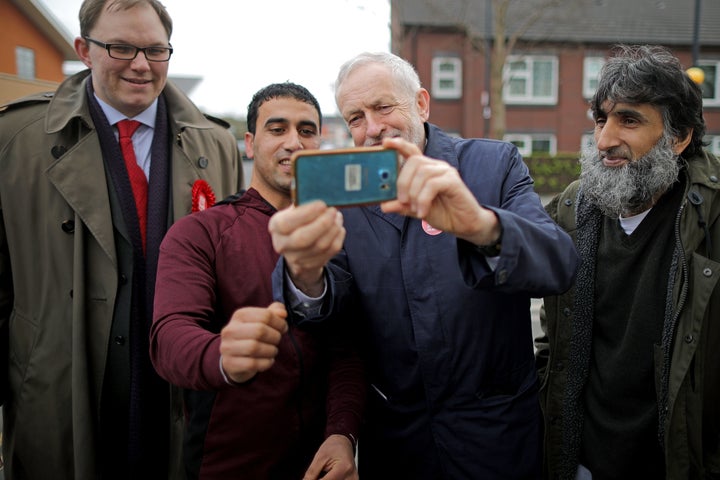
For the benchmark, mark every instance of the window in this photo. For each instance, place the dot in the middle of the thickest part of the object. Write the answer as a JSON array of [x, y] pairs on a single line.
[[446, 77], [529, 144], [587, 141], [531, 80], [714, 146], [711, 84], [25, 62], [591, 72]]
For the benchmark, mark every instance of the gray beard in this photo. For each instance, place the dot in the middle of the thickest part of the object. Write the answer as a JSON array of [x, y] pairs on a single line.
[[632, 188]]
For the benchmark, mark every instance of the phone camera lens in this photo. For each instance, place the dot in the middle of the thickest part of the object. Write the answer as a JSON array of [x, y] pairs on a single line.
[[384, 174]]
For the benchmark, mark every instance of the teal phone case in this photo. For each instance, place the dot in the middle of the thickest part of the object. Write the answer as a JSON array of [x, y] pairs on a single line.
[[345, 177]]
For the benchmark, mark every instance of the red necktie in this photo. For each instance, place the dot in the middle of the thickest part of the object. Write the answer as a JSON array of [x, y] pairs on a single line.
[[138, 180]]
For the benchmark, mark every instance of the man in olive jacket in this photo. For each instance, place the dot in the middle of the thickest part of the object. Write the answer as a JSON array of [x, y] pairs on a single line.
[[79, 396], [630, 363]]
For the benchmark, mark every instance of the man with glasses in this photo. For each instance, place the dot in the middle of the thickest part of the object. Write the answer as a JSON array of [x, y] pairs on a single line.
[[91, 177]]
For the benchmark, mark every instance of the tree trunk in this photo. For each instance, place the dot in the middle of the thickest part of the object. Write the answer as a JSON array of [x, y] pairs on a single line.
[[498, 56]]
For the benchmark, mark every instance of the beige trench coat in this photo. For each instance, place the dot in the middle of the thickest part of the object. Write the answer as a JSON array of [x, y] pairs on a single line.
[[58, 285]]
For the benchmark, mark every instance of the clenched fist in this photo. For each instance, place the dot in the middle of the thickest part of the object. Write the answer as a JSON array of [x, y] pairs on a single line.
[[249, 342]]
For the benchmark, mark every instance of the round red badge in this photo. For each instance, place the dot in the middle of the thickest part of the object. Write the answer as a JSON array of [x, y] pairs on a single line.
[[429, 229]]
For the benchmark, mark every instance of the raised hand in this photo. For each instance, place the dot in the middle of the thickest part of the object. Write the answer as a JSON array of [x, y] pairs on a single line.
[[308, 236]]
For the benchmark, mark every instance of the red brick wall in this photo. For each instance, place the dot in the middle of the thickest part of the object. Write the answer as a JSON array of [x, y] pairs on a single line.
[[567, 120]]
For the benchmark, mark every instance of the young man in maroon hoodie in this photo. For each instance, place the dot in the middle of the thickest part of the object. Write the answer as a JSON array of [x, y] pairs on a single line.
[[265, 398]]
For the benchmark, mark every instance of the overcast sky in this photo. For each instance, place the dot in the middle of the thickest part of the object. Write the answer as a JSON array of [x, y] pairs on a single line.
[[239, 46]]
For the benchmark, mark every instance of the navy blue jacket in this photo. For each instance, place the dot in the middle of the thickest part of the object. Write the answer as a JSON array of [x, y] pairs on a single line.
[[447, 339]]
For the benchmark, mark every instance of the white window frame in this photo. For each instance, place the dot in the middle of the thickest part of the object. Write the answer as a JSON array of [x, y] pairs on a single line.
[[587, 139], [715, 100], [527, 141], [25, 62], [527, 97], [441, 77], [591, 72], [714, 146]]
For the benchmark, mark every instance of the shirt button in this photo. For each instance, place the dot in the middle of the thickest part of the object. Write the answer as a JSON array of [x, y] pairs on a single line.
[[119, 340]]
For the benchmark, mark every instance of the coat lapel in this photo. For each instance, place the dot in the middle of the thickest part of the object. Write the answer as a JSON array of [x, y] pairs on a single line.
[[86, 192]]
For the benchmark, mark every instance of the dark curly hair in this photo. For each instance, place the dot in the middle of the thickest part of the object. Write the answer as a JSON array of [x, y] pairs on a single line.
[[652, 75]]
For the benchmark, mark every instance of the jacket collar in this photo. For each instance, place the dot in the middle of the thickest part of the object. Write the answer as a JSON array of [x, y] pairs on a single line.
[[704, 170], [440, 145]]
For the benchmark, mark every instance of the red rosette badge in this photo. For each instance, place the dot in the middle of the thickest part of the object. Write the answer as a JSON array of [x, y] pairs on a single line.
[[202, 196]]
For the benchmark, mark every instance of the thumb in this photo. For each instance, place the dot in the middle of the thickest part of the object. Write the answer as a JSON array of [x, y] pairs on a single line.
[[314, 470]]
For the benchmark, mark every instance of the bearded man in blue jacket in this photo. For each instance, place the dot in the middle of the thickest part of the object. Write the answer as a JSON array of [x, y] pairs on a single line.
[[440, 280]]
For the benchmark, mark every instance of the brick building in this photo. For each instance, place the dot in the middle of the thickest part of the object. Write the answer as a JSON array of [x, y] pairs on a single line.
[[551, 71], [33, 48]]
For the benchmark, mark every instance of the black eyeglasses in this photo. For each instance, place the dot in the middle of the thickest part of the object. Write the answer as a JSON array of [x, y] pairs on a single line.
[[121, 51]]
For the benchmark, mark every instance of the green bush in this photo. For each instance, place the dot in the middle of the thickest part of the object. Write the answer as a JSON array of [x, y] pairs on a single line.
[[553, 173]]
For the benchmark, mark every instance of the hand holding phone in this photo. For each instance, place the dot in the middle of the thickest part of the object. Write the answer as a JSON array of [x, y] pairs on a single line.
[[345, 177]]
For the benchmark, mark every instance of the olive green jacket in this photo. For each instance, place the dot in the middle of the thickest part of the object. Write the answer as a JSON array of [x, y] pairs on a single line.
[[59, 272], [687, 370]]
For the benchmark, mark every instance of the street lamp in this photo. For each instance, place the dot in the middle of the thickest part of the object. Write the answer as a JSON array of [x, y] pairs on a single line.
[[696, 73], [696, 35]]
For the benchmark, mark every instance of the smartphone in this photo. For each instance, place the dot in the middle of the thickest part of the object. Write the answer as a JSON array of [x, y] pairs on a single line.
[[345, 177]]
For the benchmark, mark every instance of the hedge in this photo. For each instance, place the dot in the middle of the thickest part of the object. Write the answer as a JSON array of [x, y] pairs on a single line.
[[553, 173]]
